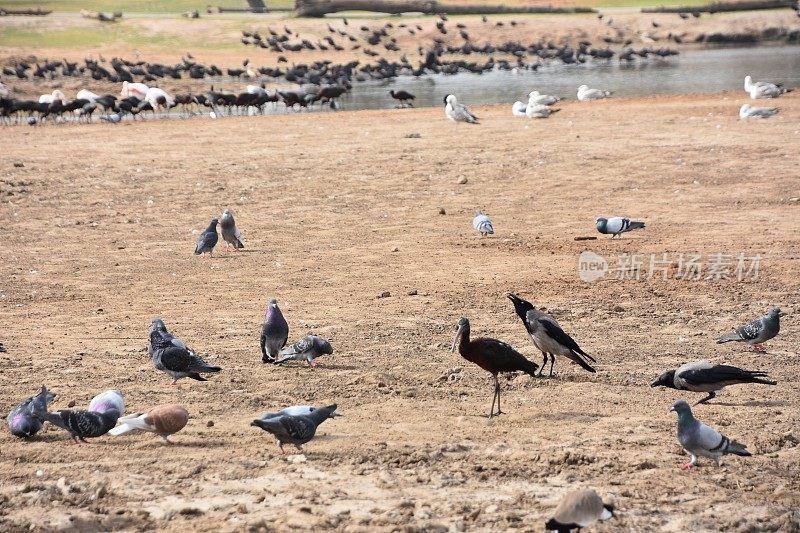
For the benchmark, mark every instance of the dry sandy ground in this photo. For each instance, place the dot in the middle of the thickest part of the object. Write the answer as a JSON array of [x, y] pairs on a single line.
[[337, 208]]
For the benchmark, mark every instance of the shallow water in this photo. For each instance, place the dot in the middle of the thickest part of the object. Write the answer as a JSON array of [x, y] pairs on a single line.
[[697, 71]]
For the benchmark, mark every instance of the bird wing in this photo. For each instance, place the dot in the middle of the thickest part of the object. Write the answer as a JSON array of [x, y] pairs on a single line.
[[717, 374], [300, 429], [176, 359], [751, 330], [707, 438], [560, 336], [207, 239], [299, 347]]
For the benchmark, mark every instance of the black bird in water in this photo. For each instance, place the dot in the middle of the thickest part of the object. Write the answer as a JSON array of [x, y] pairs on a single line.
[[492, 355], [402, 96]]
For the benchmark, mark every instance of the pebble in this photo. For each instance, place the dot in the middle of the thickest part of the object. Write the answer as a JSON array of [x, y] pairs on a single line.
[[412, 292], [462, 180], [72, 404], [442, 211], [210, 424], [19, 165]]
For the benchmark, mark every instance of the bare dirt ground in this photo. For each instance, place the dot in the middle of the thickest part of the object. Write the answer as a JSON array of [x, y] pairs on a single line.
[[338, 208]]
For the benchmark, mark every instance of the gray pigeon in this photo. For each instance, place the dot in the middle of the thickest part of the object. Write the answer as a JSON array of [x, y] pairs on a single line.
[[274, 332], [172, 356], [702, 376], [26, 419], [578, 509], [295, 430], [113, 118], [2, 348], [308, 348], [702, 441], [756, 332], [208, 239], [230, 233], [482, 223], [548, 337], [615, 226]]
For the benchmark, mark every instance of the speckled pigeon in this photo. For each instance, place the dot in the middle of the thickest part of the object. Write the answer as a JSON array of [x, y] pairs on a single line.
[[274, 332], [578, 509], [756, 332], [230, 233], [295, 430], [548, 337], [615, 226], [702, 376], [110, 399], [173, 357], [702, 441], [308, 348], [208, 239], [84, 424], [163, 420], [26, 419]]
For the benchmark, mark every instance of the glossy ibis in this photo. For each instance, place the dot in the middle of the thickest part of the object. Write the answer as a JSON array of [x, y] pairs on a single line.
[[492, 355], [548, 336], [402, 96]]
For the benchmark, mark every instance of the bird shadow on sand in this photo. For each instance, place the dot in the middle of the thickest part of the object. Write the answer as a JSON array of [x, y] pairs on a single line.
[[320, 367], [178, 442], [753, 403]]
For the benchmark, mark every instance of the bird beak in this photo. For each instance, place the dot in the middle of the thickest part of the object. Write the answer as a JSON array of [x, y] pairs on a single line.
[[335, 414], [655, 383], [671, 409], [455, 340], [781, 314]]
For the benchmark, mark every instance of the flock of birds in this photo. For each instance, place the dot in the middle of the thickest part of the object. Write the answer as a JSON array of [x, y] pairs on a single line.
[[297, 425]]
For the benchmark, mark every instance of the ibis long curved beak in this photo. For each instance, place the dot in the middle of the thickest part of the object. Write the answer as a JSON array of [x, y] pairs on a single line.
[[455, 340]]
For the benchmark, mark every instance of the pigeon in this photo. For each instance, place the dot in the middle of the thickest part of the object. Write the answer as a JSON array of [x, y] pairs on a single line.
[[548, 337], [164, 420], [458, 112], [482, 224], [586, 94], [2, 348], [702, 376], [274, 332], [26, 419], [295, 430], [110, 399], [309, 348], [539, 111], [83, 424], [615, 226], [173, 357], [577, 510], [208, 239], [295, 410], [113, 118], [702, 441], [748, 111], [757, 332], [762, 89], [230, 233]]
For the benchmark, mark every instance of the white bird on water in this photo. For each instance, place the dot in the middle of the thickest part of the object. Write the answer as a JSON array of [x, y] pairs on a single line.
[[762, 89], [458, 112], [586, 94], [534, 97], [538, 111], [482, 224], [518, 109], [748, 111]]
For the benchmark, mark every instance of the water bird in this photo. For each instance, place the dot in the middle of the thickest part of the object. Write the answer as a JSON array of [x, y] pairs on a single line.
[[492, 355], [458, 112]]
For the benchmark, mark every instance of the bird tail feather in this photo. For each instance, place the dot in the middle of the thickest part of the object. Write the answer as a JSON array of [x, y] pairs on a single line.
[[196, 376], [583, 364], [737, 448], [635, 225], [131, 423], [239, 244], [729, 337]]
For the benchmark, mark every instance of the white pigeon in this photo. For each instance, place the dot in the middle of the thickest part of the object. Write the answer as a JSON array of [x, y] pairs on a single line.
[[105, 401], [518, 109], [543, 99], [586, 94], [762, 89], [748, 111], [538, 111], [482, 224], [458, 112]]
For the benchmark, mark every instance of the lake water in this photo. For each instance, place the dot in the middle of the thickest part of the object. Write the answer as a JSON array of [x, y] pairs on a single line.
[[697, 71]]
